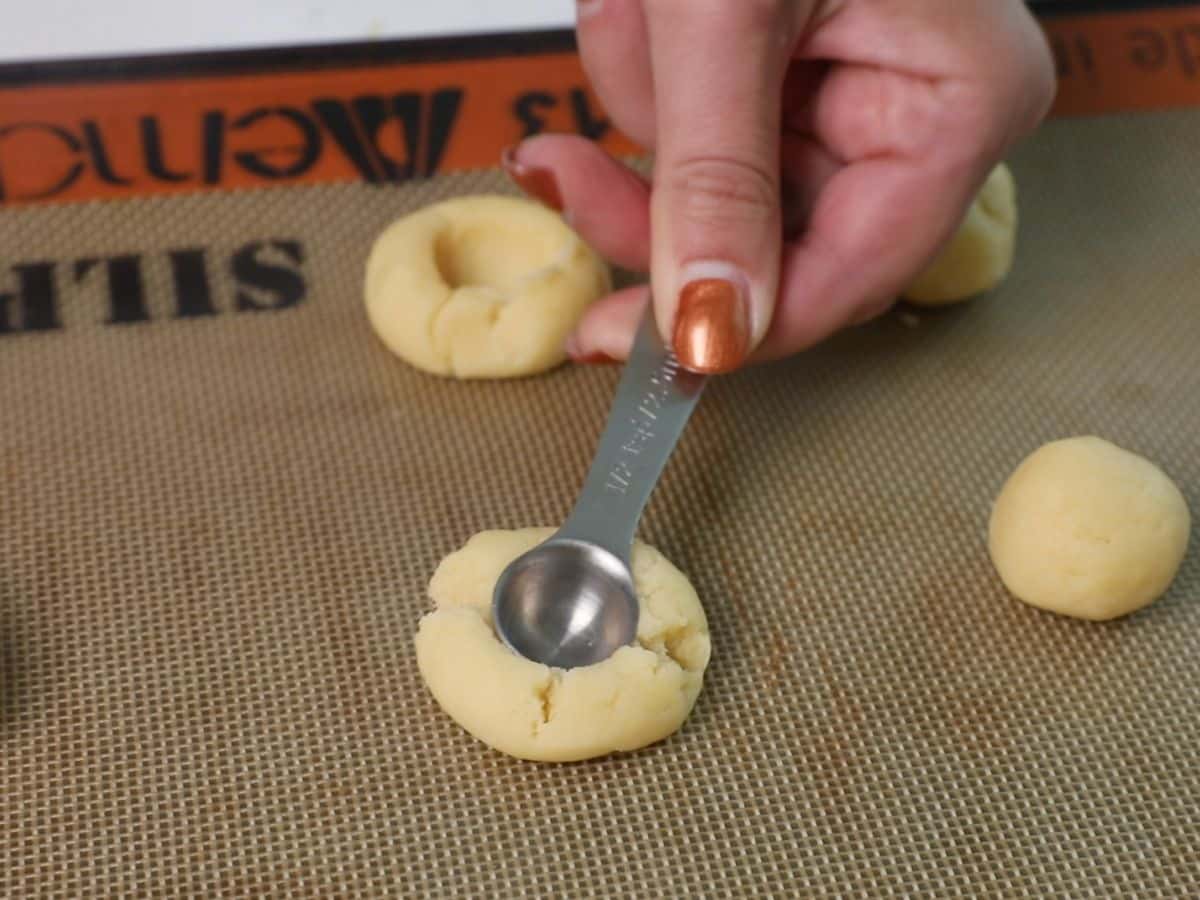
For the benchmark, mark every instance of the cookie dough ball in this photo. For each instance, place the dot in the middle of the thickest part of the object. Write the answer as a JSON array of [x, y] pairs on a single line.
[[980, 255], [1086, 529], [639, 695], [481, 287]]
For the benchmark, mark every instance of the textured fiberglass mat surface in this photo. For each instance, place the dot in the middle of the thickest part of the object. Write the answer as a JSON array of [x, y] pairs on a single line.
[[221, 501]]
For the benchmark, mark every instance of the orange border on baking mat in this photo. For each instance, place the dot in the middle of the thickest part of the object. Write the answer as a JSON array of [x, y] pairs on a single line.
[[1126, 61], [377, 123], [103, 130]]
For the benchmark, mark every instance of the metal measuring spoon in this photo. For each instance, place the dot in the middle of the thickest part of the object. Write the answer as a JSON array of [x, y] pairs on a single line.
[[570, 601]]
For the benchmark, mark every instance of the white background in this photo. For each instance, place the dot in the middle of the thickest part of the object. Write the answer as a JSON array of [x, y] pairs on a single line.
[[55, 29]]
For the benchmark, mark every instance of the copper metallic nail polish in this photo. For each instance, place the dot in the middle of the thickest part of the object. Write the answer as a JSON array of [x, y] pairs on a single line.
[[712, 326], [537, 183]]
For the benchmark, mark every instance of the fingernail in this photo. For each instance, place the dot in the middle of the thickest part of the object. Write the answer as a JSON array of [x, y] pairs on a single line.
[[595, 359], [592, 358], [712, 324], [537, 183], [586, 8]]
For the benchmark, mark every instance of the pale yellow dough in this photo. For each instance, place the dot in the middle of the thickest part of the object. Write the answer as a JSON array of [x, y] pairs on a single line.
[[1086, 529], [638, 696], [980, 255], [481, 287]]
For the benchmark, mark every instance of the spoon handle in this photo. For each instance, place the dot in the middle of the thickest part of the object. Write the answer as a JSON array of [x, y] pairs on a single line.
[[652, 405]]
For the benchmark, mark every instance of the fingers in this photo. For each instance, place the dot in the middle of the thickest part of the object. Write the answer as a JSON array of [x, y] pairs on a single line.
[[605, 201], [606, 331], [988, 57], [912, 103], [616, 57], [917, 112], [718, 76], [875, 224]]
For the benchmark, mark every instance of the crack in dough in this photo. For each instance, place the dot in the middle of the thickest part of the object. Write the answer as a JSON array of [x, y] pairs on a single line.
[[481, 287], [546, 695], [640, 695]]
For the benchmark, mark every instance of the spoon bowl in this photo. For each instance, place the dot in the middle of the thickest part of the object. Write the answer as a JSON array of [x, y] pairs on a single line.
[[566, 603]]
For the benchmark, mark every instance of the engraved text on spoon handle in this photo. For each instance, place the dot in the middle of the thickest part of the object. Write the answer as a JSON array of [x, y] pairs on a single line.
[[652, 405]]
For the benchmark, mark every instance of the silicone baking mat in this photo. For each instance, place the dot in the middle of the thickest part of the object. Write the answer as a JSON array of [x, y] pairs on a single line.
[[221, 501]]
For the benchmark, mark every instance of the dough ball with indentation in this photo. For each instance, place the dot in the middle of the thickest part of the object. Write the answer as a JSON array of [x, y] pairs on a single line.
[[481, 287], [1086, 529], [980, 255], [639, 695]]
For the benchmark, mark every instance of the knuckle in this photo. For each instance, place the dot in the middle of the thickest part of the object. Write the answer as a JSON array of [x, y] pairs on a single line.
[[1029, 93], [1043, 80], [716, 192]]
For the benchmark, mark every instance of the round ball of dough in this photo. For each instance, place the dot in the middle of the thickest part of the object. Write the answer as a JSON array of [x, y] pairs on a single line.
[[481, 287], [639, 695], [1086, 529], [980, 255]]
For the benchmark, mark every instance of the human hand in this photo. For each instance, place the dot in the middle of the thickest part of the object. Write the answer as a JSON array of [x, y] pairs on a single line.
[[811, 157]]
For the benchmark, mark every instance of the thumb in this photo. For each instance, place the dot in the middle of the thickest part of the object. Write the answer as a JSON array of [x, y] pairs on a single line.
[[716, 227]]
